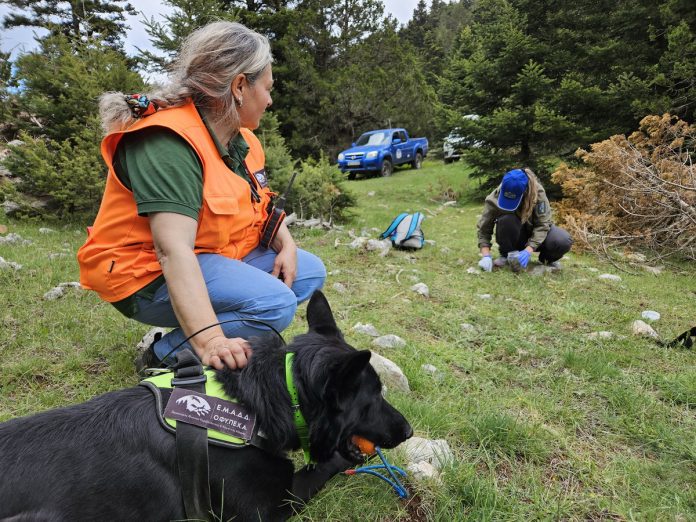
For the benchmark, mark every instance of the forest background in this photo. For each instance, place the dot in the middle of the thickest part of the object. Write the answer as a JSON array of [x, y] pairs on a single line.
[[545, 78]]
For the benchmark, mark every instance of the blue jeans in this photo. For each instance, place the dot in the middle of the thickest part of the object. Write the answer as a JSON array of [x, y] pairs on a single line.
[[239, 290]]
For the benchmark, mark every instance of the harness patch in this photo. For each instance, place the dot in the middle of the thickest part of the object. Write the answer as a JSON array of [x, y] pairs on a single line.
[[210, 412], [260, 176]]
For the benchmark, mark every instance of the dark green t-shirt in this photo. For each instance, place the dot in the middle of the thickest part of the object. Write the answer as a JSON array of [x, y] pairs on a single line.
[[165, 175]]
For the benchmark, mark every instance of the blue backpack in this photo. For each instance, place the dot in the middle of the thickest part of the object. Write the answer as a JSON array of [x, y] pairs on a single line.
[[405, 231]]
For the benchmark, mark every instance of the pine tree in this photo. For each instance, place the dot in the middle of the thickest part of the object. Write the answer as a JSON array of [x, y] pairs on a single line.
[[495, 74], [76, 19]]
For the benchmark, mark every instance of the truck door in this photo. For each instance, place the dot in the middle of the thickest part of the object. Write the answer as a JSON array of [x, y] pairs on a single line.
[[406, 147], [399, 148]]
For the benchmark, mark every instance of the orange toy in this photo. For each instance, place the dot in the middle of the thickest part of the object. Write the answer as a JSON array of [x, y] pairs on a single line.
[[366, 446]]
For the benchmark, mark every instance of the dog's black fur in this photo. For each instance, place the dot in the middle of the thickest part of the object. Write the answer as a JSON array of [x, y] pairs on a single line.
[[110, 459]]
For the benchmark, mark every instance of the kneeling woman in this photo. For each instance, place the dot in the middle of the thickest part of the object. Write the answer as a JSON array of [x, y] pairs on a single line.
[[519, 212], [176, 240]]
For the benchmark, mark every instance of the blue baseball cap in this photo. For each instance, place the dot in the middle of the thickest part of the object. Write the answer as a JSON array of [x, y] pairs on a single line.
[[512, 189]]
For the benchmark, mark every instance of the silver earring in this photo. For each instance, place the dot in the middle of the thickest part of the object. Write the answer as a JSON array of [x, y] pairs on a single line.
[[239, 102]]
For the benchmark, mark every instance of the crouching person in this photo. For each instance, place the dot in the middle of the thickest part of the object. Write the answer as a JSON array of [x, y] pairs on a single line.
[[519, 212]]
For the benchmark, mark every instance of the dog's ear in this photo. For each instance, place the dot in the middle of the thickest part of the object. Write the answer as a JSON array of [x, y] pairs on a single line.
[[350, 368], [319, 316]]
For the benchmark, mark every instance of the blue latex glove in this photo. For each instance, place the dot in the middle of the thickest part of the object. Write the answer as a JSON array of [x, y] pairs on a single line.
[[486, 263], [524, 258]]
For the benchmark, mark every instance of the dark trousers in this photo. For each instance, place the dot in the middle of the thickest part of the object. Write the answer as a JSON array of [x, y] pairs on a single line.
[[512, 235]]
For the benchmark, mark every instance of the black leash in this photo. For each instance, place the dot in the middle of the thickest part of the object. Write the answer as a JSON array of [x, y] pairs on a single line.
[[218, 324]]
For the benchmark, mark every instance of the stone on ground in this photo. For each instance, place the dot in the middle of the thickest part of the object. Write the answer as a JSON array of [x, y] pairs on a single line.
[[389, 373], [389, 341], [366, 329], [643, 329]]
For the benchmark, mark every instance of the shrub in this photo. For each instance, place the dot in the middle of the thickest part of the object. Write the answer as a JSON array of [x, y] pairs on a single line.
[[318, 191], [68, 176], [637, 191]]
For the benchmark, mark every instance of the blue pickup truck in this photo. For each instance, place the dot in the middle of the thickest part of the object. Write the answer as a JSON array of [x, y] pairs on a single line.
[[381, 150]]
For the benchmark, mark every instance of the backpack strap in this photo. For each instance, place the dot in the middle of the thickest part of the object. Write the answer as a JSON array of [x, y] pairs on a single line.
[[415, 223], [392, 227]]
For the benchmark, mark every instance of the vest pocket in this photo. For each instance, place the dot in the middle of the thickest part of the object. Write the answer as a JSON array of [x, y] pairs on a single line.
[[146, 261], [217, 220]]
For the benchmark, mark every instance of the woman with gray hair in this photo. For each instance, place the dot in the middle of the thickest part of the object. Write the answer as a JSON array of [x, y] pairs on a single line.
[[176, 242]]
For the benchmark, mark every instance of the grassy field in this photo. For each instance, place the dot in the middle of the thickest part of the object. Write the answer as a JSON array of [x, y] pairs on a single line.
[[544, 422]]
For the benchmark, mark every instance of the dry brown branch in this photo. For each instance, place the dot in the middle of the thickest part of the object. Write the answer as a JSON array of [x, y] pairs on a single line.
[[637, 191]]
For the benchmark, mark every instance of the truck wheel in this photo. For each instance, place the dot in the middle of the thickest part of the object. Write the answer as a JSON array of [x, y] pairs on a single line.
[[418, 161], [387, 168]]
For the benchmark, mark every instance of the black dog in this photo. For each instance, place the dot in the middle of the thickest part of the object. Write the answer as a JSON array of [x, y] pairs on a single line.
[[110, 459]]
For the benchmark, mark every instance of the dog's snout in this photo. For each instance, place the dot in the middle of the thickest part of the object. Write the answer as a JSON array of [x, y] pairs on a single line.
[[409, 432]]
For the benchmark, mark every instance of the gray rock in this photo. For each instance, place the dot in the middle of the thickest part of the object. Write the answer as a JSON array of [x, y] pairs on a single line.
[[609, 277], [650, 315], [635, 257], [422, 289], [56, 255], [600, 335], [592, 269], [46, 230], [10, 207], [382, 246], [291, 219], [371, 193], [366, 329], [14, 239], [540, 270], [339, 287], [472, 270], [309, 223], [422, 471], [654, 270], [358, 242], [59, 291], [390, 374], [466, 327], [437, 452], [483, 296], [9, 265], [429, 368], [389, 341], [643, 329]]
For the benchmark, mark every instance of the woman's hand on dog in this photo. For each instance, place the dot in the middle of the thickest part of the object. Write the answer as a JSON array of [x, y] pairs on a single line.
[[220, 351]]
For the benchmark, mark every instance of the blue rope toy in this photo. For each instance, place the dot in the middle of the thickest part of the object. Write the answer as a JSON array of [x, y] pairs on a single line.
[[394, 481]]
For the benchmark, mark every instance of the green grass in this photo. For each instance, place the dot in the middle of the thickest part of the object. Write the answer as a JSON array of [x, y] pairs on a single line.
[[544, 422]]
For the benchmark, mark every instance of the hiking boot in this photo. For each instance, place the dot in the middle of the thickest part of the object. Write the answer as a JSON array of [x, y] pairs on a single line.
[[556, 265], [500, 262], [145, 351]]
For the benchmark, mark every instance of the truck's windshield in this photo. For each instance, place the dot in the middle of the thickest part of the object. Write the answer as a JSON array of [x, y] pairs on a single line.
[[378, 138]]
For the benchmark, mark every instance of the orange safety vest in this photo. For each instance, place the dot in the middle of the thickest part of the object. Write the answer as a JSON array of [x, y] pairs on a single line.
[[119, 258]]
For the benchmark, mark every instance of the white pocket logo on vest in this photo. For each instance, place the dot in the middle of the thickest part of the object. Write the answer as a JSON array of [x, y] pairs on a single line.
[[195, 404]]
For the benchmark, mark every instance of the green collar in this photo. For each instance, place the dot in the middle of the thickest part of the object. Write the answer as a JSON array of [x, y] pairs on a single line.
[[236, 151], [300, 422]]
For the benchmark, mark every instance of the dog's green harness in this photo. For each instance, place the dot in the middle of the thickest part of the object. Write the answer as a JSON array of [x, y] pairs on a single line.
[[192, 440], [213, 388]]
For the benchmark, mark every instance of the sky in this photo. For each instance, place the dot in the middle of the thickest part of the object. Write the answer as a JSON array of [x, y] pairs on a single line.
[[21, 39]]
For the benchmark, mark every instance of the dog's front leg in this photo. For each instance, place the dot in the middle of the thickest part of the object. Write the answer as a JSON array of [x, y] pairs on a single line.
[[309, 480]]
